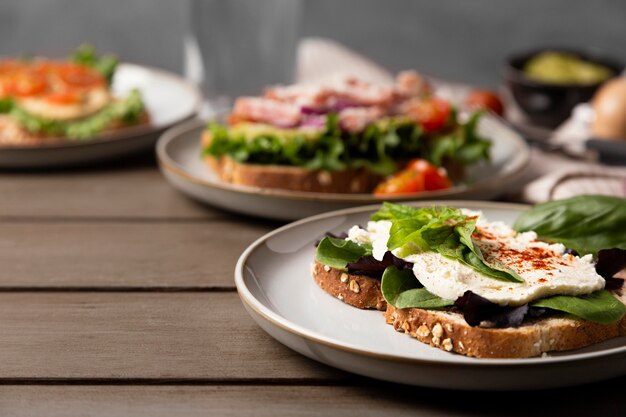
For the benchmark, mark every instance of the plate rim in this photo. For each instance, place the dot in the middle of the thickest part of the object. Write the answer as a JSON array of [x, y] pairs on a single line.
[[168, 163], [293, 329], [128, 132]]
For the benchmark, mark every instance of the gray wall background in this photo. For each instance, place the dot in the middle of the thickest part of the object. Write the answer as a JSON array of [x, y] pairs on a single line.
[[459, 40]]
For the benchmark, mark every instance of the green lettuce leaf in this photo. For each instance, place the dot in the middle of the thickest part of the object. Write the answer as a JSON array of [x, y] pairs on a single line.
[[6, 104], [377, 148], [87, 55], [337, 253], [600, 306], [585, 223], [443, 230], [402, 290], [128, 111]]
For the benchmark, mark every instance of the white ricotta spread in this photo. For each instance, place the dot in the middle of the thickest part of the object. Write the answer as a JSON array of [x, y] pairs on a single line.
[[545, 268]]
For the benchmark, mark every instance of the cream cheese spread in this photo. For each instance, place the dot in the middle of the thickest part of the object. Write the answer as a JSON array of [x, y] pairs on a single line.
[[545, 268]]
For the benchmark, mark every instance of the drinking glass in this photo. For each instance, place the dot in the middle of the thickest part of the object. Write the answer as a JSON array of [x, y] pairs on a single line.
[[238, 47]]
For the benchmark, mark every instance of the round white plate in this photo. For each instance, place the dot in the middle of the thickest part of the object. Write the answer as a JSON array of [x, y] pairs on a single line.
[[169, 98], [274, 282], [179, 157]]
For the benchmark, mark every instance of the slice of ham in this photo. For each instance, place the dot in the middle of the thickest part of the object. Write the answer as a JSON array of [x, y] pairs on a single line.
[[411, 84], [356, 119], [264, 110]]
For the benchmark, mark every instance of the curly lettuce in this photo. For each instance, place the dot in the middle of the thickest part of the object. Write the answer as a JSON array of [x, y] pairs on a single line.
[[378, 148]]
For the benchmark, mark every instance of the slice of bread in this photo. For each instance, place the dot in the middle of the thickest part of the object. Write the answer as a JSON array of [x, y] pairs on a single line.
[[357, 290], [291, 178], [13, 134], [449, 331]]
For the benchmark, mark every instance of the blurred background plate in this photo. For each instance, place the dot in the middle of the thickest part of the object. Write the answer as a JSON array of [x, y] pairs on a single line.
[[180, 161], [169, 98]]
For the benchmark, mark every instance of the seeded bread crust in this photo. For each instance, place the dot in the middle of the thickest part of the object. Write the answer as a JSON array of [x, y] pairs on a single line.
[[357, 290], [449, 331], [290, 177]]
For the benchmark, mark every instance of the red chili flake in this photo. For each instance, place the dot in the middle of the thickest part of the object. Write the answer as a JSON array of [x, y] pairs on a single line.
[[531, 259]]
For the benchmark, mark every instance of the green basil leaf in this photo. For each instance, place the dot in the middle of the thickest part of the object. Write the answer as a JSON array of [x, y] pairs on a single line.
[[476, 262], [337, 253], [401, 290], [599, 307], [439, 229], [585, 223]]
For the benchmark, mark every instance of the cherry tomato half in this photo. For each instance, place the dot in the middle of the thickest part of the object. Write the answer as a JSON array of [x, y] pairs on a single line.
[[484, 99], [432, 113], [419, 175]]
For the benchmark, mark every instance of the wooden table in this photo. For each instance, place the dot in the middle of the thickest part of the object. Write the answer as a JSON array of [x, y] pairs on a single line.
[[117, 298]]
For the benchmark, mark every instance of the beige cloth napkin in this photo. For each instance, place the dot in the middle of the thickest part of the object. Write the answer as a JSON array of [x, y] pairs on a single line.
[[551, 176]]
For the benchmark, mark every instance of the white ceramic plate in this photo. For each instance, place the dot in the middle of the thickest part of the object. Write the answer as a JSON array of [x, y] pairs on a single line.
[[274, 282], [178, 152], [169, 98]]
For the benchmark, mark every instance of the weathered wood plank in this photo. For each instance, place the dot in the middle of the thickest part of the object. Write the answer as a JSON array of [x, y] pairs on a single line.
[[123, 255], [119, 191], [292, 400], [141, 335]]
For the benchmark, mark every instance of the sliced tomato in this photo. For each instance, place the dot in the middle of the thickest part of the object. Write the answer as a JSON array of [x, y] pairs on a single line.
[[79, 76], [433, 114], [9, 67], [419, 175], [64, 97], [24, 84]]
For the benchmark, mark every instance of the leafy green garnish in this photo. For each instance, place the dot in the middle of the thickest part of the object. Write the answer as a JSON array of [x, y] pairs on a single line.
[[377, 148], [444, 230], [585, 223], [401, 290], [105, 64], [6, 104], [337, 253], [128, 111], [600, 306], [462, 145]]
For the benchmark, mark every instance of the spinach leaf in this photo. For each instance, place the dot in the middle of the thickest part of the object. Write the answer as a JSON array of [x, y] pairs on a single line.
[[585, 223], [337, 253], [443, 230], [401, 289], [600, 306]]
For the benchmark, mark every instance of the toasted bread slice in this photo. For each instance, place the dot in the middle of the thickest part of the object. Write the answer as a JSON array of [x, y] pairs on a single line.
[[13, 134], [291, 177], [357, 290], [449, 331]]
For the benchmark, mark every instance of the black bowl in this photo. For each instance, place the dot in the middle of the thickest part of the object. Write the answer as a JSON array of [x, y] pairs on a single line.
[[545, 104]]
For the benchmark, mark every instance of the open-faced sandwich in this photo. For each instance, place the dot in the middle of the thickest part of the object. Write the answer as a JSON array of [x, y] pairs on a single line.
[[346, 136], [45, 101], [453, 279]]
